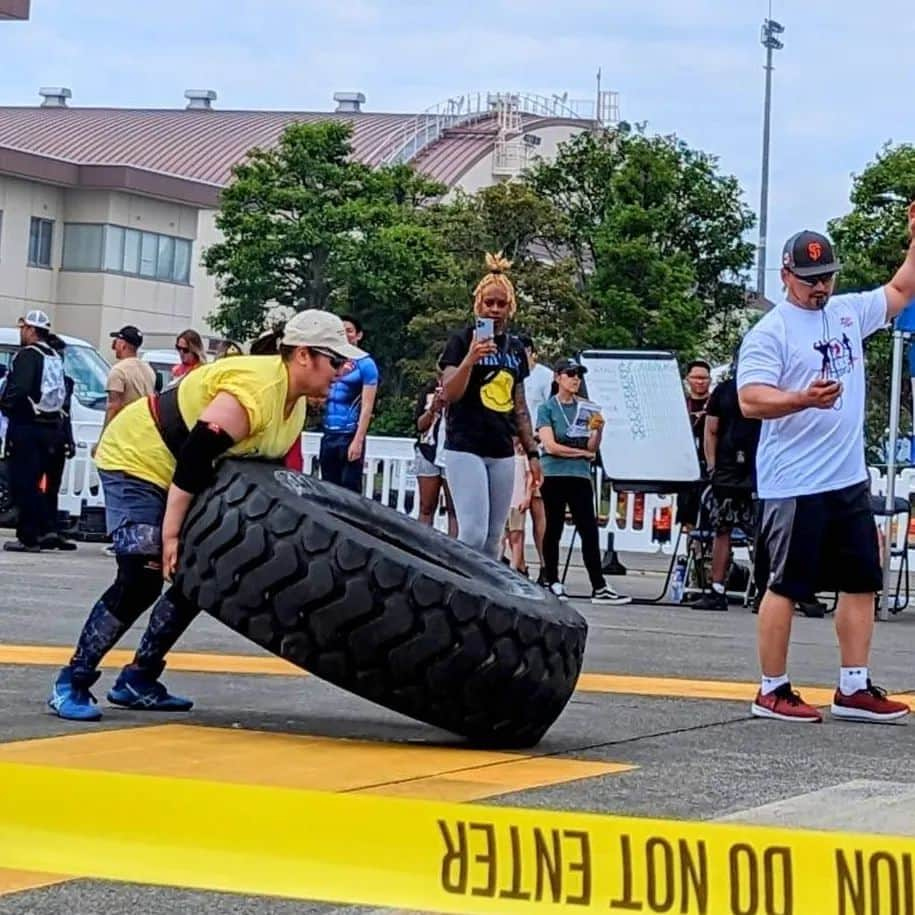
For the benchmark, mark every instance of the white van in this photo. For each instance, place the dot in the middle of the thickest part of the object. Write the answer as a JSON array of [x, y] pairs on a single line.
[[89, 371], [83, 363], [162, 362]]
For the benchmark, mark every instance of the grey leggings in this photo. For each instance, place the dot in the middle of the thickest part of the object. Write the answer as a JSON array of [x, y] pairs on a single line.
[[481, 489]]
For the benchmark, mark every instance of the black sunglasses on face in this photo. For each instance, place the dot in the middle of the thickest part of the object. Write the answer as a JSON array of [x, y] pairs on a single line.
[[336, 362], [181, 349], [571, 373], [814, 281]]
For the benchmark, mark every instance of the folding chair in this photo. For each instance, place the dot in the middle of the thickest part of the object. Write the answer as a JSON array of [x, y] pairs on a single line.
[[739, 585], [898, 546]]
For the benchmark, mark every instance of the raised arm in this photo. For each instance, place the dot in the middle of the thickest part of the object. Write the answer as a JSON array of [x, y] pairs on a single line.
[[900, 291]]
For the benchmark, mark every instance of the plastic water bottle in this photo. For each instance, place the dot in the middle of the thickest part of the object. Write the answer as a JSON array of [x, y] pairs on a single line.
[[679, 581]]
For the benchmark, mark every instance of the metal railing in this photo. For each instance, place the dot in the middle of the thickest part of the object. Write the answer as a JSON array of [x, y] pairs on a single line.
[[417, 133]]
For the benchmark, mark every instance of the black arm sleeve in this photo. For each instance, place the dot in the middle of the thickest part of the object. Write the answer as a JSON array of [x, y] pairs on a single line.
[[194, 467]]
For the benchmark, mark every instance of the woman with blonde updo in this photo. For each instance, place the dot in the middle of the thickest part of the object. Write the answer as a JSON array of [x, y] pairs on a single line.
[[483, 368]]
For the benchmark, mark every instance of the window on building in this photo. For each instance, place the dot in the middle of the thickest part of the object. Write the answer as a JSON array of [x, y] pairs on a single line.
[[41, 233], [114, 249], [131, 251], [149, 248], [83, 247], [182, 260], [165, 264]]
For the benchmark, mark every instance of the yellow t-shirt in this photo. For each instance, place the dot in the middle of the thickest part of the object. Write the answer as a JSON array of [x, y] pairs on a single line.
[[132, 444]]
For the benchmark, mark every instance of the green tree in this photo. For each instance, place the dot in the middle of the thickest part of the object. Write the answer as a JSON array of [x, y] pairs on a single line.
[[297, 214], [657, 235], [871, 242]]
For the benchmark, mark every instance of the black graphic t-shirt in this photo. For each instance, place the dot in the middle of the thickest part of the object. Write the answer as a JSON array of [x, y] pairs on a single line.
[[483, 421], [738, 438]]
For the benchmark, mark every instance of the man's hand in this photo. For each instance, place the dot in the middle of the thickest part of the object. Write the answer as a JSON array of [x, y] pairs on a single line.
[[169, 556], [536, 473], [354, 452], [479, 349], [822, 394]]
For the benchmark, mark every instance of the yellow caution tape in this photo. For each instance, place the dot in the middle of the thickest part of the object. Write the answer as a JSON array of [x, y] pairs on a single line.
[[433, 856]]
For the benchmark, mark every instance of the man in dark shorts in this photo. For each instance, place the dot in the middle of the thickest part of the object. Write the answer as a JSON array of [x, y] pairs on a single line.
[[730, 452], [801, 372], [698, 381]]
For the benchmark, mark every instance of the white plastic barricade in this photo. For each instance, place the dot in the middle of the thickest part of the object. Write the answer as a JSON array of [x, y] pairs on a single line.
[[639, 522], [388, 476], [80, 484]]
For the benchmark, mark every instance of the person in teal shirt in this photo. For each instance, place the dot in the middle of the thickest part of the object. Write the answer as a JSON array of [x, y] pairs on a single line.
[[566, 466]]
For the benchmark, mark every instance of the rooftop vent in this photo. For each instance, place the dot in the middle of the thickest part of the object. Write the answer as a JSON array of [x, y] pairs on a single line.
[[200, 99], [349, 101], [54, 96]]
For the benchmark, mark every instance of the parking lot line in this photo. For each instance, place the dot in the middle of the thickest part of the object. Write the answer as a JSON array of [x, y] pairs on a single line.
[[267, 665], [278, 760]]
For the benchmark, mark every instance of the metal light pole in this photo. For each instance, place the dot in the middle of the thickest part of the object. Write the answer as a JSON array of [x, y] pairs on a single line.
[[770, 29]]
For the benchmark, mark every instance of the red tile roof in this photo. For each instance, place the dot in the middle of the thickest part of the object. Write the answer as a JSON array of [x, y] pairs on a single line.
[[188, 155]]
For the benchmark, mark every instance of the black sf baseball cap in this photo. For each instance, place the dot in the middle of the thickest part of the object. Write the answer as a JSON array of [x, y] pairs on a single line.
[[129, 334], [809, 254]]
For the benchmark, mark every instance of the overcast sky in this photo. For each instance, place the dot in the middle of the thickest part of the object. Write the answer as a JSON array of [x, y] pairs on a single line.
[[843, 84]]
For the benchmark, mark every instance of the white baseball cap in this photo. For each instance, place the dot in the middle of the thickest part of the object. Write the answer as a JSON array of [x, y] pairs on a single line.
[[36, 318], [321, 330]]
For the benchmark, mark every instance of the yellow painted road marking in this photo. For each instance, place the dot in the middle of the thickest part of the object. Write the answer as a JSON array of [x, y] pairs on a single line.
[[278, 760], [17, 881], [267, 665]]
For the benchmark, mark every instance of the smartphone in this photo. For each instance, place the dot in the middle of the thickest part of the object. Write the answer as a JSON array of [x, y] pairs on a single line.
[[485, 329]]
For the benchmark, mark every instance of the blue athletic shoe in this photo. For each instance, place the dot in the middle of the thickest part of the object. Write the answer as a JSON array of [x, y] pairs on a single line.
[[73, 701], [136, 689]]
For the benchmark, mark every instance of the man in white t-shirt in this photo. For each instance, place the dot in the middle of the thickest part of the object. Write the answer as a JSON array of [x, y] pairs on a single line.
[[537, 390], [801, 371]]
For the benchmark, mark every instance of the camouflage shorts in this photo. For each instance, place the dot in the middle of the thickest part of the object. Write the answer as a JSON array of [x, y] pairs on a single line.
[[134, 510], [732, 508]]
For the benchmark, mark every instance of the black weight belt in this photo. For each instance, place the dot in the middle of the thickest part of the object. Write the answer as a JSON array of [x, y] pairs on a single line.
[[168, 419]]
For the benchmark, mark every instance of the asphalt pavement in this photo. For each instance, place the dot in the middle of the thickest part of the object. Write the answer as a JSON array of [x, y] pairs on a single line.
[[664, 708]]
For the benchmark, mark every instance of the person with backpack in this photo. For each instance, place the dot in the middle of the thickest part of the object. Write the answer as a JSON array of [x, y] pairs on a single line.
[[64, 450], [33, 401]]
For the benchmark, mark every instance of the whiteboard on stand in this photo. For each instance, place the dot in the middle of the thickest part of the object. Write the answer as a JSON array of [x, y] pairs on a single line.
[[647, 437]]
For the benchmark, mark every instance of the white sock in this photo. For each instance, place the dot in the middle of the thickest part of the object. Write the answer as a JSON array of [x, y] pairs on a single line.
[[718, 587], [852, 679], [771, 684]]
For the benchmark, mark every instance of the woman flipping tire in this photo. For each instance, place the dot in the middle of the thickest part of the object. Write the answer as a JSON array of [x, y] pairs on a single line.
[[153, 458]]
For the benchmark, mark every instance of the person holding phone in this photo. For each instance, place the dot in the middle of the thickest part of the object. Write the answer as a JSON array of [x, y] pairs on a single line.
[[801, 371], [483, 370], [567, 460]]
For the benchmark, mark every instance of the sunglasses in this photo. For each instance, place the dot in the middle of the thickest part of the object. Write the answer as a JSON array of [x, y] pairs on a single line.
[[572, 373], [814, 281], [183, 349], [336, 362]]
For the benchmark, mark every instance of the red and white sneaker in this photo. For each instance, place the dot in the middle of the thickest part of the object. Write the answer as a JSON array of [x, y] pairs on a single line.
[[868, 704], [785, 704]]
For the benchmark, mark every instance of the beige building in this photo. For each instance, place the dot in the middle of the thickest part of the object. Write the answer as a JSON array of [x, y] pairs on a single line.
[[105, 213]]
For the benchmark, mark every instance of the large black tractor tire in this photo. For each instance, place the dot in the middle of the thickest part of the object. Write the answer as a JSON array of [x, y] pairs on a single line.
[[370, 600]]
